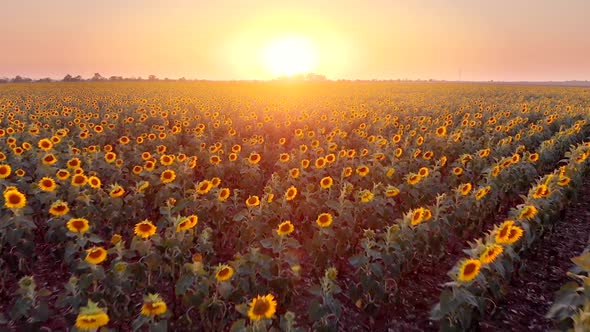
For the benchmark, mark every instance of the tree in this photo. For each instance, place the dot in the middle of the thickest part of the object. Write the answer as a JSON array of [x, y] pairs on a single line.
[[152, 78], [97, 77], [67, 78]]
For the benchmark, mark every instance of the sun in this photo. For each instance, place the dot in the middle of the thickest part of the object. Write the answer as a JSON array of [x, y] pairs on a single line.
[[287, 56]]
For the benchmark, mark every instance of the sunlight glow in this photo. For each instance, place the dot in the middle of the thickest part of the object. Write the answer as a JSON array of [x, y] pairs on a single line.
[[289, 56]]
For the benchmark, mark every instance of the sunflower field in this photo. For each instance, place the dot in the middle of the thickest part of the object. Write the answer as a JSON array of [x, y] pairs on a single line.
[[234, 206]]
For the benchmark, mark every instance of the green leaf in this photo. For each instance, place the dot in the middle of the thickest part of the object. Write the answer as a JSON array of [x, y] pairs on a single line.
[[183, 284], [41, 313], [357, 261], [161, 326], [238, 326], [266, 243]]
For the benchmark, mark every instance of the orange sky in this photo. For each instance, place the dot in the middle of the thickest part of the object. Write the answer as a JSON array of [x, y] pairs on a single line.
[[479, 40]]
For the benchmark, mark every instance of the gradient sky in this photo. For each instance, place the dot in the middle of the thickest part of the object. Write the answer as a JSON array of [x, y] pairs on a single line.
[[479, 40]]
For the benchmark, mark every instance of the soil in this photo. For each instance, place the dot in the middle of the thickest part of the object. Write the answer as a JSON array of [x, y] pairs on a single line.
[[532, 292]]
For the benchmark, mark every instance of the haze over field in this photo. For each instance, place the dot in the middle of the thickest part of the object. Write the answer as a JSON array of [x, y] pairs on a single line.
[[535, 40]]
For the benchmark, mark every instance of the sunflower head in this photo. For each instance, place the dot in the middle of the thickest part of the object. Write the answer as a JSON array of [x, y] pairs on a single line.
[[96, 255], [324, 220], [224, 272], [469, 269], [91, 317], [285, 228], [490, 253], [14, 199], [145, 229], [153, 305], [252, 201], [262, 307], [291, 193], [78, 225]]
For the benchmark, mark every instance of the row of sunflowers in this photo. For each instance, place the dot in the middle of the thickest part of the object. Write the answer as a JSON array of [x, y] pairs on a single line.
[[491, 258], [252, 206]]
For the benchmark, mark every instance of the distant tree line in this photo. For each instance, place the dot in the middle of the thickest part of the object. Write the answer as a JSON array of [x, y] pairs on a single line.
[[96, 78]]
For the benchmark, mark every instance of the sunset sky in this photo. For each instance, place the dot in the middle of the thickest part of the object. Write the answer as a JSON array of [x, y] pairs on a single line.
[[468, 39]]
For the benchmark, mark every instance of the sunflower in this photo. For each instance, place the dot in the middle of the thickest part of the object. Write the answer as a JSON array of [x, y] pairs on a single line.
[[167, 160], [533, 157], [49, 159], [149, 165], [62, 174], [362, 170], [187, 223], [78, 225], [491, 253], [305, 163], [457, 171], [563, 181], [284, 157], [116, 191], [416, 216], [110, 157], [215, 182], [319, 163], [391, 191], [528, 212], [514, 235], [223, 194], [45, 144], [224, 272], [390, 172], [413, 178], [145, 229], [142, 186], [14, 199], [254, 158], [540, 191], [74, 163], [94, 182], [441, 131], [5, 171], [324, 220], [465, 189], [153, 305], [326, 182], [204, 187], [423, 172], [291, 193], [294, 173], [255, 201], [366, 196], [167, 176], [91, 317], [347, 172], [262, 307], [285, 228], [116, 238], [503, 231], [47, 184], [482, 192], [95, 255], [469, 269], [59, 208], [20, 172], [79, 180], [496, 171]]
